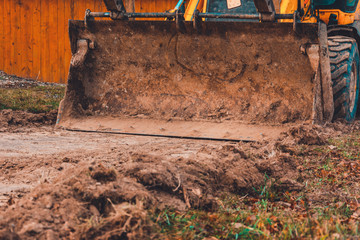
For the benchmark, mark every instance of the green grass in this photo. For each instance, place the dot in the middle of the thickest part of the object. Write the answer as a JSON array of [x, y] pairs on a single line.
[[33, 99], [259, 220]]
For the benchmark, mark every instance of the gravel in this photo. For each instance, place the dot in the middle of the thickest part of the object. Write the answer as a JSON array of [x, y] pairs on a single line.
[[12, 81]]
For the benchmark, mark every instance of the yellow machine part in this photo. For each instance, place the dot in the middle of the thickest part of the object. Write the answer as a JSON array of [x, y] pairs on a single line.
[[286, 7], [193, 5]]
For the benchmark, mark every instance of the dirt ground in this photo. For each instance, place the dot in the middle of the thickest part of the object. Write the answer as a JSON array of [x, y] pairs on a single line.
[[64, 184]]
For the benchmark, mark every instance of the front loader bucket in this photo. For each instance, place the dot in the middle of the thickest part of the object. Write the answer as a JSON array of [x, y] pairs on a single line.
[[231, 80]]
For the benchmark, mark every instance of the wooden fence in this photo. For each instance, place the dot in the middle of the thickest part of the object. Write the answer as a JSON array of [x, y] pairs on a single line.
[[34, 37]]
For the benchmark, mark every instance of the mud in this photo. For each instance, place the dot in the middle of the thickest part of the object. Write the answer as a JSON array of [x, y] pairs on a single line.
[[13, 119], [61, 184]]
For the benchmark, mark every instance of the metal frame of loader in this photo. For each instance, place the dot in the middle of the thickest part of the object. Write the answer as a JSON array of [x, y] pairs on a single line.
[[117, 11]]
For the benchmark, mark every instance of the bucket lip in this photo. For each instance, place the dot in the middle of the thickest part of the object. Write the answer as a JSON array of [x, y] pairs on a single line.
[[195, 130]]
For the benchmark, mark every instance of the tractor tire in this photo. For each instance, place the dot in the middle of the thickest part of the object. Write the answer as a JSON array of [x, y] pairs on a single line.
[[344, 61]]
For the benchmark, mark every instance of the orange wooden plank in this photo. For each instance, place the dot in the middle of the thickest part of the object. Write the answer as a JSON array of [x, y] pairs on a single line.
[[19, 40], [77, 7], [68, 12], [83, 6], [87, 4], [147, 5], [103, 7], [15, 25], [167, 5], [45, 55], [153, 5], [53, 41], [74, 9], [2, 39], [12, 37], [93, 5], [140, 6], [158, 6], [97, 6], [67, 52], [36, 39], [7, 34], [26, 46], [61, 44], [137, 6]]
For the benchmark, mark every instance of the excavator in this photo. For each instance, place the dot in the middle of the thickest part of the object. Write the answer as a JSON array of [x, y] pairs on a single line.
[[233, 70]]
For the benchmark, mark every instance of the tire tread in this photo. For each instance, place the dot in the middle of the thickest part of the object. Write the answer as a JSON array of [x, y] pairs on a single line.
[[340, 52]]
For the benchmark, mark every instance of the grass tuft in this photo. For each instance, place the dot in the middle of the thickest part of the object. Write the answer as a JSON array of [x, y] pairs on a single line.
[[33, 99]]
